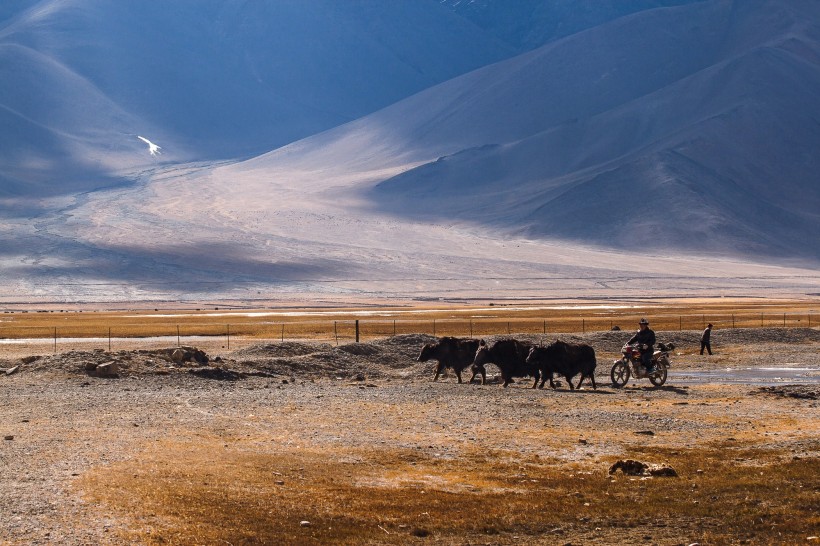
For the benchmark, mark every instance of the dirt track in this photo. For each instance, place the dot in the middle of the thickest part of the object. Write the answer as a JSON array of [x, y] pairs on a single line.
[[67, 430]]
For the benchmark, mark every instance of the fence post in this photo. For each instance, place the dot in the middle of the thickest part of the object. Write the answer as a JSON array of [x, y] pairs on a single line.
[[178, 343], [508, 328], [229, 336], [394, 327], [583, 326], [55, 339], [545, 327], [283, 332], [680, 326], [357, 330], [335, 333], [471, 326], [733, 320], [109, 339], [784, 320], [434, 328]]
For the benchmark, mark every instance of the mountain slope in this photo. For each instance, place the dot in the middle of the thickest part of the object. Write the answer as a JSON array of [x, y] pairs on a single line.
[[211, 79], [527, 24], [46, 148], [734, 130]]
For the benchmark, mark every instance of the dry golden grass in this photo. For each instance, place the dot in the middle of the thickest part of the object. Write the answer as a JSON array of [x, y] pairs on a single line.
[[211, 494], [446, 319]]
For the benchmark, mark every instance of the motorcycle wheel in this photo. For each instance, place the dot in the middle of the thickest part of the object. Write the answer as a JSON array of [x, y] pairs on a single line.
[[658, 378], [620, 374]]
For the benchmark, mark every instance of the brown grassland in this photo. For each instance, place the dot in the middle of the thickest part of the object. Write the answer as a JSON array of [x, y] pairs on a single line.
[[184, 495], [413, 317]]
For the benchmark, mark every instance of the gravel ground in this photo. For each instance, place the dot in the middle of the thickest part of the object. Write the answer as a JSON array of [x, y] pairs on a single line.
[[61, 421]]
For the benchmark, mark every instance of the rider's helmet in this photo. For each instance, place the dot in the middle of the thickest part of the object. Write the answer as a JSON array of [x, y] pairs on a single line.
[[643, 321]]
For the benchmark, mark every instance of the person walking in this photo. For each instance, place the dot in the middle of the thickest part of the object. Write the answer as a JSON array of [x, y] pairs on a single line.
[[706, 339]]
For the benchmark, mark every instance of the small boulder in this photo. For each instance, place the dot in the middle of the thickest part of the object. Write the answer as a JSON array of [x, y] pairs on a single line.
[[662, 471], [189, 354], [107, 369], [631, 467]]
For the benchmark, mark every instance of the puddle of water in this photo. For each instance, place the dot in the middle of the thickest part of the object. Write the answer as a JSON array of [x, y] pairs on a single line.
[[750, 376]]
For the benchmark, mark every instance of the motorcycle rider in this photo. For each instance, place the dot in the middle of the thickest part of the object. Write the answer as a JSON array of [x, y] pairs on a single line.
[[645, 338]]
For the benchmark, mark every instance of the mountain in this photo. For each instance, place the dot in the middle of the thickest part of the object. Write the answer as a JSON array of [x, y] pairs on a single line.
[[205, 79], [527, 24], [668, 151], [697, 132]]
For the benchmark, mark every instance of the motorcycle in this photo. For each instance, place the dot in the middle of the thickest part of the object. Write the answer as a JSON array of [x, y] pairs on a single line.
[[630, 365]]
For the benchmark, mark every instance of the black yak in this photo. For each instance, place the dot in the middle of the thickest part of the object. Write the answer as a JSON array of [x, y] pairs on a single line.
[[451, 352], [510, 355], [565, 359]]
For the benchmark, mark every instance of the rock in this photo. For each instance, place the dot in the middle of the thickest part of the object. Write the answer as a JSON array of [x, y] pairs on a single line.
[[90, 366], [646, 432], [107, 369], [29, 359], [662, 471], [12, 370], [8, 437], [631, 467], [188, 354], [304, 523]]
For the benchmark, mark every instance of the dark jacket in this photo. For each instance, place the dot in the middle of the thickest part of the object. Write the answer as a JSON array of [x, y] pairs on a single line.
[[644, 337], [707, 334]]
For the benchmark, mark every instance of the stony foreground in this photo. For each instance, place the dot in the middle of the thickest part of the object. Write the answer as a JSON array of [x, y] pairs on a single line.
[[310, 434]]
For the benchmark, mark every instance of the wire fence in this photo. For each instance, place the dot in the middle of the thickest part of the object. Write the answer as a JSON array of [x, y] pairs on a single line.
[[228, 336]]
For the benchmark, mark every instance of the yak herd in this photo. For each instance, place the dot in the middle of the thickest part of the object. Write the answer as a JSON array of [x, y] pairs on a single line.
[[514, 358]]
